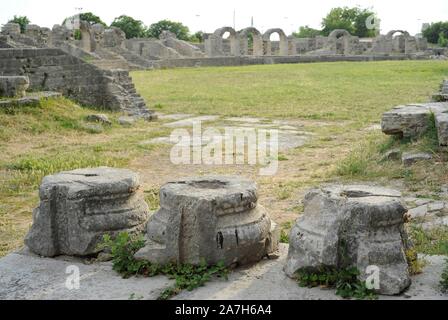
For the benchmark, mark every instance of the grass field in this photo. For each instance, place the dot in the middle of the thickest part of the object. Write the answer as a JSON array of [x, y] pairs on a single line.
[[330, 91], [337, 102]]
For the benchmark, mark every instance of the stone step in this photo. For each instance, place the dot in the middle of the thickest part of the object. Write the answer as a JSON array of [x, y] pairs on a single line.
[[111, 64]]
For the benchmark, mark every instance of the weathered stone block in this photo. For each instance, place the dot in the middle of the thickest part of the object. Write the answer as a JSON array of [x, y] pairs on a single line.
[[410, 158], [100, 118], [52, 69], [394, 154], [126, 121], [352, 226], [442, 128], [209, 218], [77, 208], [406, 121], [411, 121], [11, 29], [13, 86]]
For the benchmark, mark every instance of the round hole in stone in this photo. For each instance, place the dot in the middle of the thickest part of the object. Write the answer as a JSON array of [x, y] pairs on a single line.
[[208, 184]]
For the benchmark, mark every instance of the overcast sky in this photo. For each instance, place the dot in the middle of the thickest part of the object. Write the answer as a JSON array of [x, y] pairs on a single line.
[[208, 15]]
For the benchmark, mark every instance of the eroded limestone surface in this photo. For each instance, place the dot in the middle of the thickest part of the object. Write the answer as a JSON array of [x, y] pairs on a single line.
[[13, 86], [352, 226], [77, 208], [413, 120], [214, 219]]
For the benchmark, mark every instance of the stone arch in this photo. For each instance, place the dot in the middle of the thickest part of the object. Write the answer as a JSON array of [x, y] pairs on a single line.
[[399, 43], [391, 33], [339, 41], [257, 41], [233, 38], [283, 41], [338, 33]]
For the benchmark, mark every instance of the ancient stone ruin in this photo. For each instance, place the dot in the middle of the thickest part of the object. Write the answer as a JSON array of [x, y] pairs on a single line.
[[352, 226], [413, 120], [212, 219], [13, 86], [91, 64], [109, 48], [77, 208], [53, 63]]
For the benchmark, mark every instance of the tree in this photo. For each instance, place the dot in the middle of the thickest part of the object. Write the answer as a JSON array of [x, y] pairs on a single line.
[[354, 20], [23, 21], [197, 37], [307, 32], [436, 32], [91, 18], [443, 41], [181, 31], [131, 27]]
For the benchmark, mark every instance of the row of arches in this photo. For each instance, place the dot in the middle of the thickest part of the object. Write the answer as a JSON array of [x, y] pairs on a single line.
[[248, 41]]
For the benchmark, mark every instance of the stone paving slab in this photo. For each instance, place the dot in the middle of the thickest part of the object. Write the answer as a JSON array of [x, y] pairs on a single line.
[[287, 139], [26, 276], [267, 281]]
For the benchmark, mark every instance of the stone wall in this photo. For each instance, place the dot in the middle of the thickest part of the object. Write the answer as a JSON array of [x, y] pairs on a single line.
[[339, 42], [247, 60], [108, 49], [54, 70]]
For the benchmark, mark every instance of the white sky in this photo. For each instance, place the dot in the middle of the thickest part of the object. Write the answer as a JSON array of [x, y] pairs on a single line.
[[208, 15]]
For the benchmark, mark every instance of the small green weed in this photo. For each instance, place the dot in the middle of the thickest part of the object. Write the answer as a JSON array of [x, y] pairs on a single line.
[[284, 234], [152, 198], [187, 276], [345, 281], [431, 242]]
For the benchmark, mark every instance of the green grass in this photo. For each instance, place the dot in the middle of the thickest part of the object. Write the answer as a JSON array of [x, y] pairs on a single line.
[[358, 91], [50, 116], [431, 242], [366, 161], [54, 136]]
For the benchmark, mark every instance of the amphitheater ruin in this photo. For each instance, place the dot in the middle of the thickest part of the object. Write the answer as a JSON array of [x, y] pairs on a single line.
[[109, 48], [213, 218], [94, 69]]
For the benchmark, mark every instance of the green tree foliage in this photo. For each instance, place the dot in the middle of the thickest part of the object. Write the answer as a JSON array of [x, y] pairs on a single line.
[[131, 27], [307, 32], [91, 18], [23, 21], [351, 19], [437, 33], [443, 41], [181, 31], [197, 37]]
